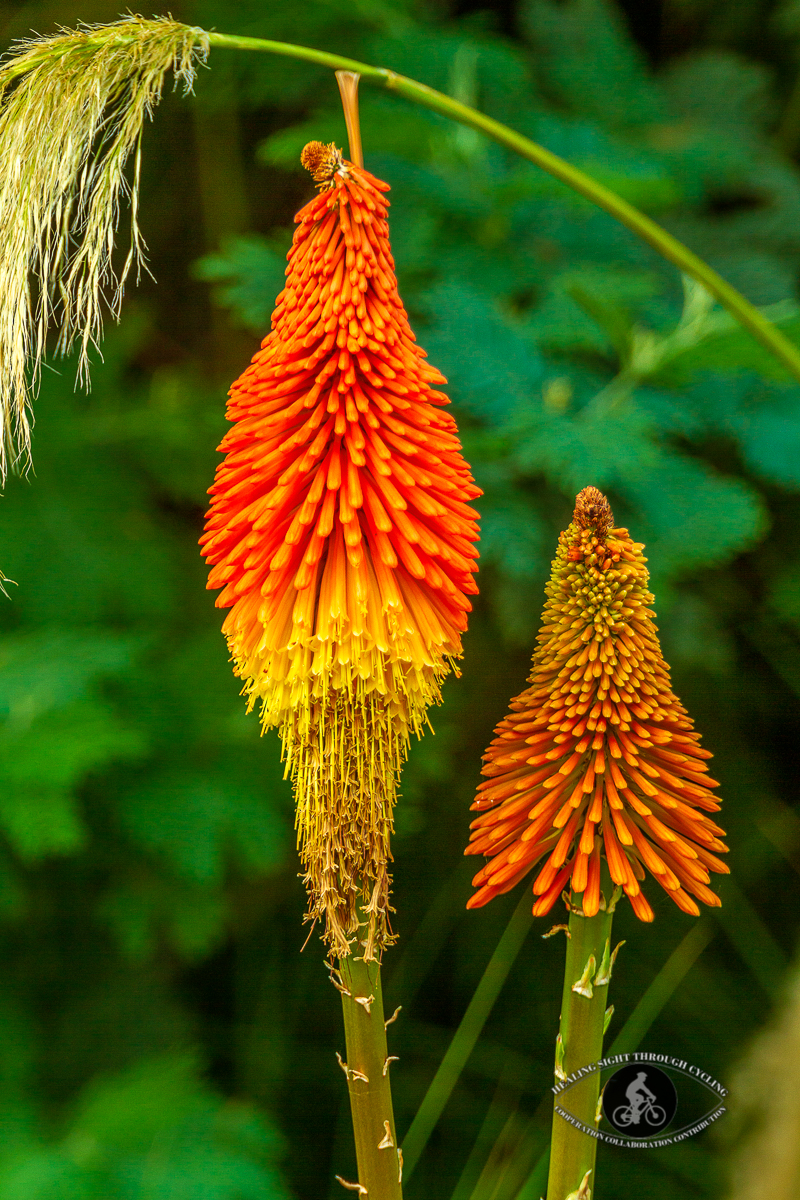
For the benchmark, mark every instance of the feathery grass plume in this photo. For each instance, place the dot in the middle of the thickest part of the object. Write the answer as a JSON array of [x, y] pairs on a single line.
[[340, 530], [597, 754], [72, 108]]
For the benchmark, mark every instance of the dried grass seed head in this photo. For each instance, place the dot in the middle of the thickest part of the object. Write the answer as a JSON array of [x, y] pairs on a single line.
[[72, 108]]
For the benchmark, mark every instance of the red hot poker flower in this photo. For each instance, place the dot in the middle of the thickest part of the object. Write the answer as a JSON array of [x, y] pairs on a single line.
[[340, 531], [597, 754]]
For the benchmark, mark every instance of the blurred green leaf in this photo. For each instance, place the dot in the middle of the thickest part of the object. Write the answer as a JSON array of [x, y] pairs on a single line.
[[46, 1175], [197, 821], [154, 1133], [125, 1114], [586, 59], [697, 517], [251, 272], [54, 733], [146, 911]]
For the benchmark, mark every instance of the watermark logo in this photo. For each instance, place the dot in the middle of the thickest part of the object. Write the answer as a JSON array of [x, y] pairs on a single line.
[[645, 1100]]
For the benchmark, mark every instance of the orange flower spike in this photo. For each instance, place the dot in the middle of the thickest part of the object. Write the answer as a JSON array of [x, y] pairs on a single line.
[[597, 752], [340, 531]]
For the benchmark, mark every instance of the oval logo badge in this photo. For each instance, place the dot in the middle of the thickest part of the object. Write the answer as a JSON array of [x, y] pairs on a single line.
[[647, 1100]]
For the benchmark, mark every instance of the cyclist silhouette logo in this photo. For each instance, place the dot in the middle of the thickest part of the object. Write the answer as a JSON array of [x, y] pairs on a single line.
[[641, 1105], [640, 1100]]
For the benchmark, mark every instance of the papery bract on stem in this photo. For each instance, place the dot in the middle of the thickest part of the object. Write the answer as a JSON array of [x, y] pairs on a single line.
[[598, 755], [341, 533]]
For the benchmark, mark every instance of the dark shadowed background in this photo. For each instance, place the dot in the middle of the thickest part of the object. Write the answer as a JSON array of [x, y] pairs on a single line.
[[161, 1035]]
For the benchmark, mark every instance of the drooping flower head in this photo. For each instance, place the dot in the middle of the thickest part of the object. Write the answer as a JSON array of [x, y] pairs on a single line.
[[598, 755], [340, 530]]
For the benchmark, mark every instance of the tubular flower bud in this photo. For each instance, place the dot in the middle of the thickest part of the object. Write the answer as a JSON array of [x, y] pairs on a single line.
[[340, 532], [597, 756]]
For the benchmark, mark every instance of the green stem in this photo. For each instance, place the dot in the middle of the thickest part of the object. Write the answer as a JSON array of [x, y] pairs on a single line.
[[580, 1042], [367, 1068], [668, 246], [629, 1039], [336, 62]]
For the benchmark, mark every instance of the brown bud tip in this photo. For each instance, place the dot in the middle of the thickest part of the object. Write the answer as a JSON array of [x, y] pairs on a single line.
[[592, 511], [322, 161]]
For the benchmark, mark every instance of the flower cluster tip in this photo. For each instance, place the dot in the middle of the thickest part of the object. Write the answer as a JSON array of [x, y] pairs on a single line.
[[593, 512]]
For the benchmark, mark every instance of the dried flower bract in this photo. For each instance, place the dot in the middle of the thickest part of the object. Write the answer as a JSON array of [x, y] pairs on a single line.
[[72, 108], [341, 533], [322, 161], [597, 755]]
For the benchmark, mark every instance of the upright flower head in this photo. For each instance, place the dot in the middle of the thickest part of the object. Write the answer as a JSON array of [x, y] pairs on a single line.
[[597, 755], [340, 530]]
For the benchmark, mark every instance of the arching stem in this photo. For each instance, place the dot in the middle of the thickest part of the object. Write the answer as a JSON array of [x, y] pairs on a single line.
[[638, 222]]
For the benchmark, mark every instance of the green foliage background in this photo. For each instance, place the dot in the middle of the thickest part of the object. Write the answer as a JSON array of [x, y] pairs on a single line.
[[161, 1035]]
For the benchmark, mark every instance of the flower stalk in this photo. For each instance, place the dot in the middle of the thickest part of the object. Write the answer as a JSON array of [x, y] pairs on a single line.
[[379, 1159], [594, 779], [580, 1042], [368, 1066]]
